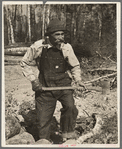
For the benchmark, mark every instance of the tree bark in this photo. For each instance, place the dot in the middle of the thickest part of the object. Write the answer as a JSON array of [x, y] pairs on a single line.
[[10, 24], [38, 22], [16, 51], [100, 27], [29, 24], [48, 14], [6, 39], [24, 23], [43, 23]]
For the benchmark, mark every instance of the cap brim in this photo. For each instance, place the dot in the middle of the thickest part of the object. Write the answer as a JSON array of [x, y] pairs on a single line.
[[48, 33]]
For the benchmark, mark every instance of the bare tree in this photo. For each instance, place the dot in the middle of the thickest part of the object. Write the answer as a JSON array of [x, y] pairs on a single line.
[[29, 24], [10, 26], [43, 23]]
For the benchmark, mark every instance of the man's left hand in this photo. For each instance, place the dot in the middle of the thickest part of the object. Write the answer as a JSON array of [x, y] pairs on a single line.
[[81, 84]]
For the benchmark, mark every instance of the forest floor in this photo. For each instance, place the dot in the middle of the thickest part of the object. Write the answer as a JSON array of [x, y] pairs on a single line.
[[18, 89]]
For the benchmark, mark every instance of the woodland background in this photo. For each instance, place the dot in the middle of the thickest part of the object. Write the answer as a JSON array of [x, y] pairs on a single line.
[[92, 33], [92, 27]]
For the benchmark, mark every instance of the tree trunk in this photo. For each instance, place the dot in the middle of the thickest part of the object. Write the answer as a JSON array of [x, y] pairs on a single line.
[[6, 39], [48, 14], [10, 24], [43, 23], [33, 34], [9, 35], [24, 23], [11, 28], [72, 23], [68, 26], [100, 27], [29, 24], [38, 22], [74, 16]]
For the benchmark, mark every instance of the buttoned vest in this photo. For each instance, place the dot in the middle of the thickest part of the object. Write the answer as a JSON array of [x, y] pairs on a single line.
[[53, 69]]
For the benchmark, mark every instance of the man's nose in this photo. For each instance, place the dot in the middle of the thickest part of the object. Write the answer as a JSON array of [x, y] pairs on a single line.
[[61, 36]]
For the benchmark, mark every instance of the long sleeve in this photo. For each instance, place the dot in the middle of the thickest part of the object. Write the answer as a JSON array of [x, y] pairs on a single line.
[[73, 61], [25, 64], [34, 51]]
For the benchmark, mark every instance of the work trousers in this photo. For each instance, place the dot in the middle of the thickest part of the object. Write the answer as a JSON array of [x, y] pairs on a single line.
[[45, 106]]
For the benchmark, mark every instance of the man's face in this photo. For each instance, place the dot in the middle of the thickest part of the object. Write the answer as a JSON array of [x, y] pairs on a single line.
[[57, 38]]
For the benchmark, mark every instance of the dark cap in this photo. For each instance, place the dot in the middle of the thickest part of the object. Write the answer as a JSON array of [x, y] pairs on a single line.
[[55, 25]]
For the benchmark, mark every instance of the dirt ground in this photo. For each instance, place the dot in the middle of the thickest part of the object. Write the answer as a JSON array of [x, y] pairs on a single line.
[[103, 103]]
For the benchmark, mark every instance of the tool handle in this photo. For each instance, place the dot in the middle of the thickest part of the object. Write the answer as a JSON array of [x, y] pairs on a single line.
[[99, 89], [58, 88]]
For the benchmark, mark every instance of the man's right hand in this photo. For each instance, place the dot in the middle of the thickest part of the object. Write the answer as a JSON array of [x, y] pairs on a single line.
[[36, 85]]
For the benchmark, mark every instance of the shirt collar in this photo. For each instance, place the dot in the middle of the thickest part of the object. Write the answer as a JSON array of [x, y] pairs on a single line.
[[49, 45]]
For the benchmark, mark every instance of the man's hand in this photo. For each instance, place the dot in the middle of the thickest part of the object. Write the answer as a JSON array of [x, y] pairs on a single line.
[[36, 85], [81, 84]]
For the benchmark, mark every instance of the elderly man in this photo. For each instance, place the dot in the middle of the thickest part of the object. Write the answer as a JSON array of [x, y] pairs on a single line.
[[53, 58]]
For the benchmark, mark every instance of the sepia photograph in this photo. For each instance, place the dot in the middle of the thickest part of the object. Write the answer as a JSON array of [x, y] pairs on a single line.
[[60, 74]]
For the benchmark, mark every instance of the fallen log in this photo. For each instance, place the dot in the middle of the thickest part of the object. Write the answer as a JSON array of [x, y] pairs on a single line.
[[96, 130], [97, 79], [11, 63], [18, 44], [20, 51], [15, 60], [103, 69]]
